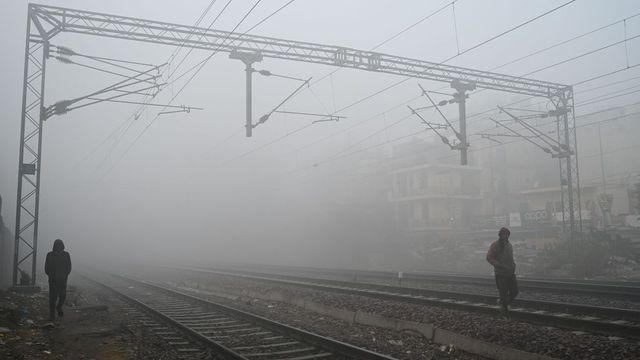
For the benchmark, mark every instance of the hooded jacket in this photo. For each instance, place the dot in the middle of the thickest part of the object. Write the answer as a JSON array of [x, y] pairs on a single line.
[[500, 255], [58, 263]]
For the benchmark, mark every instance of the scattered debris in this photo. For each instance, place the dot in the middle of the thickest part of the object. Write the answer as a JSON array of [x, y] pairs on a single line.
[[89, 308]]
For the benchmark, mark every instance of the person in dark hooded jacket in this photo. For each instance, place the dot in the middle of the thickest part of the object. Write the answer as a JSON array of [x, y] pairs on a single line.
[[500, 255], [57, 267]]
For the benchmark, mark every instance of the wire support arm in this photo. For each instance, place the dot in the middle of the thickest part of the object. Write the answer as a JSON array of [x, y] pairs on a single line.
[[327, 117], [433, 128], [517, 134], [63, 106], [266, 116], [552, 143], [99, 100], [425, 93]]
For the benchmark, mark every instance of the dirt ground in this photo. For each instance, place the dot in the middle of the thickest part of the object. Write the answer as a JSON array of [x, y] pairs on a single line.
[[94, 326]]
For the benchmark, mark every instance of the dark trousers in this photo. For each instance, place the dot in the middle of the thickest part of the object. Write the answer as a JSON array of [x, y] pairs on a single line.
[[507, 288], [57, 293]]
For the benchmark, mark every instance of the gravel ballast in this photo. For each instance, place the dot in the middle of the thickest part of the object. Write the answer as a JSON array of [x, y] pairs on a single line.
[[523, 336]]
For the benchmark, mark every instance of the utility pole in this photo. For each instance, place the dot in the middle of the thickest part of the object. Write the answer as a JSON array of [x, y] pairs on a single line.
[[604, 183], [248, 58], [572, 208], [460, 97], [606, 212]]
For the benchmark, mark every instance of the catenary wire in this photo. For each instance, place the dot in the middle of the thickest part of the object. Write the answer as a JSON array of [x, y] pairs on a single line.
[[505, 64], [149, 98], [480, 148], [440, 63], [333, 174], [128, 149]]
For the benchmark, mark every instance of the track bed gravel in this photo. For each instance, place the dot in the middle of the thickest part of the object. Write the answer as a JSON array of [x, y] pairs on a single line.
[[94, 326], [550, 295], [532, 338], [401, 345]]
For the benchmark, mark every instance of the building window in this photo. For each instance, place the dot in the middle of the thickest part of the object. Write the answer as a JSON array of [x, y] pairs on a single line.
[[558, 206]]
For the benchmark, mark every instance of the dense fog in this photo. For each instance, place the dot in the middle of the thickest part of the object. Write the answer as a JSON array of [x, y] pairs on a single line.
[[375, 188]]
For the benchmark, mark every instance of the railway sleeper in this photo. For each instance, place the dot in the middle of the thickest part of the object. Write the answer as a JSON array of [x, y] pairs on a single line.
[[250, 347], [281, 352]]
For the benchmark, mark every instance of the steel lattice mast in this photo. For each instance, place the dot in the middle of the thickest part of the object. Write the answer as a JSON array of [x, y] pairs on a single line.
[[45, 22]]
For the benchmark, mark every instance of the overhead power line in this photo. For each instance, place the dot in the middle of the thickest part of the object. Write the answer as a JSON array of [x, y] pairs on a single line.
[[440, 63], [199, 65], [570, 59], [537, 52], [126, 124], [425, 93], [394, 36], [606, 74], [224, 8], [202, 65], [407, 116], [468, 116], [573, 58], [582, 55], [616, 118], [516, 139], [482, 43], [564, 42]]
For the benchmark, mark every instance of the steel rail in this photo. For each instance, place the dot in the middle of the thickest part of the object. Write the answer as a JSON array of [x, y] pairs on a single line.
[[337, 348], [617, 289], [195, 335], [566, 315], [619, 313], [625, 291]]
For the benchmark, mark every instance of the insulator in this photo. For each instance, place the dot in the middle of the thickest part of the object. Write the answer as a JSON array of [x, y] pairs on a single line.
[[63, 50], [61, 107], [64, 60]]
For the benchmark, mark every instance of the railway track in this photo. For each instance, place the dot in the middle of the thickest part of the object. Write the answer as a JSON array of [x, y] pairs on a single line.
[[625, 290], [601, 320], [224, 331]]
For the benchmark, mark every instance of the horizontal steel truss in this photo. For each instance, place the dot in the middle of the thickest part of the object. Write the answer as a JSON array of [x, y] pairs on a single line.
[[92, 23]]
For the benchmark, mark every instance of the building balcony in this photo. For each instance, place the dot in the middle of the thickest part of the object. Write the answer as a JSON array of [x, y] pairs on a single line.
[[435, 192], [430, 224], [439, 168]]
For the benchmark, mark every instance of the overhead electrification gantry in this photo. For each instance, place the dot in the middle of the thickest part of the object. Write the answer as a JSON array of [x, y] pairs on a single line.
[[45, 22]]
